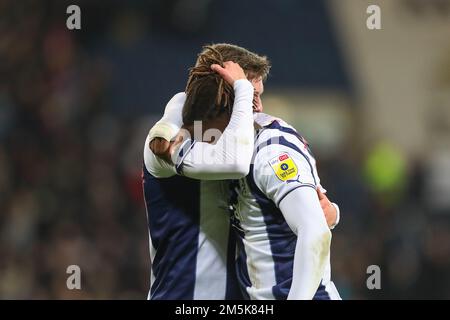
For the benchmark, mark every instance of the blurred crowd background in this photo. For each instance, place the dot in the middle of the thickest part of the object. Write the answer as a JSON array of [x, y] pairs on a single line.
[[75, 108]]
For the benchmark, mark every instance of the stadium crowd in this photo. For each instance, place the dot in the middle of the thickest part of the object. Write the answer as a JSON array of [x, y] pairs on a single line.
[[70, 182]]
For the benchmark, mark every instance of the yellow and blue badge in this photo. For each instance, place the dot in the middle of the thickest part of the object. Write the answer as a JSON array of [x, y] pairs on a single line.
[[284, 167]]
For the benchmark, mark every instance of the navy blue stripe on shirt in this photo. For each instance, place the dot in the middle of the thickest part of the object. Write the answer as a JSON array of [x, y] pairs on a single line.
[[242, 270], [281, 238], [173, 223], [294, 188], [182, 153], [276, 125], [321, 293]]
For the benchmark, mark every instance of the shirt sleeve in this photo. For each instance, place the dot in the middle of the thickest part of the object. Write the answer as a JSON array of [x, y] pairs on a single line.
[[281, 168], [169, 125], [284, 171], [156, 166], [230, 157], [304, 215]]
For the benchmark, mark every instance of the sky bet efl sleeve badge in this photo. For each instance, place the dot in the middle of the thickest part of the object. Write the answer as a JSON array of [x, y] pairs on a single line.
[[284, 167]]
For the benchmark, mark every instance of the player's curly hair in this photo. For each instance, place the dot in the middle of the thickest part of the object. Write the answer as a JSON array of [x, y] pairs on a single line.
[[208, 95]]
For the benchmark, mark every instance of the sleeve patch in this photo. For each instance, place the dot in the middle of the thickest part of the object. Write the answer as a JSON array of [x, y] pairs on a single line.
[[284, 167]]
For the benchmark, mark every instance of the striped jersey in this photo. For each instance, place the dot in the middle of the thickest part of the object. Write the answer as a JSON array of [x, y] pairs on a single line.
[[192, 250], [282, 162]]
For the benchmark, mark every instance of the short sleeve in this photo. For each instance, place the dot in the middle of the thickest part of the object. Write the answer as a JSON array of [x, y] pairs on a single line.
[[279, 169]]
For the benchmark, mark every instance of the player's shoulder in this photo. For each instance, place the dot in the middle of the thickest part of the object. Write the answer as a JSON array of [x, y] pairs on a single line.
[[276, 139], [275, 131], [269, 125], [281, 153], [180, 97], [265, 120]]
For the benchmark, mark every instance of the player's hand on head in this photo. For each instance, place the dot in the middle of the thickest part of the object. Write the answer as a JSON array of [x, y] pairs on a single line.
[[328, 209], [230, 72]]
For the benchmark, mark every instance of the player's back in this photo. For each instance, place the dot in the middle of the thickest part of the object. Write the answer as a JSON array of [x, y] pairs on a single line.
[[267, 244], [189, 230]]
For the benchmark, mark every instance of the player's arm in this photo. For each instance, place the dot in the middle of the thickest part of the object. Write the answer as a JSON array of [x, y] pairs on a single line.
[[302, 211], [169, 125], [330, 209], [285, 175], [230, 157], [166, 128]]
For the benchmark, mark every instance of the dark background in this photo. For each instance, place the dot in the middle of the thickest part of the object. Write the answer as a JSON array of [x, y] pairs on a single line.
[[75, 107]]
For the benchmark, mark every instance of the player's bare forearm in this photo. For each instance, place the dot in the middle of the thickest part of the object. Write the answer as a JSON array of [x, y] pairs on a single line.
[[160, 145], [330, 211]]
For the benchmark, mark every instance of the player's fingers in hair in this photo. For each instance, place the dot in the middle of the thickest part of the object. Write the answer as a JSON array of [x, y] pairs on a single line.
[[217, 68], [228, 63], [221, 71]]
